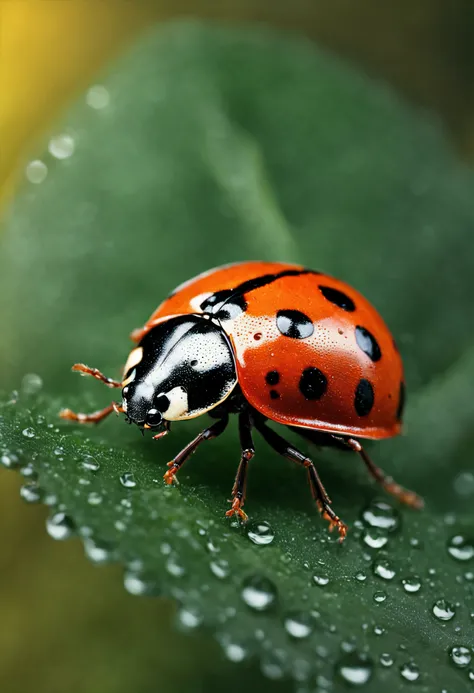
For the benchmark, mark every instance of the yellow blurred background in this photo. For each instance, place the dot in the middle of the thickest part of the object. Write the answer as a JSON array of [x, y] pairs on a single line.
[[65, 623]]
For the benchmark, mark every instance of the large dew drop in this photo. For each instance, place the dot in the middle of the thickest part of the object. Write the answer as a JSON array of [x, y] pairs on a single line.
[[60, 526], [355, 669], [299, 625], [443, 610], [384, 569], [128, 480], [381, 514], [460, 548], [259, 593], [410, 671], [261, 533], [460, 656]]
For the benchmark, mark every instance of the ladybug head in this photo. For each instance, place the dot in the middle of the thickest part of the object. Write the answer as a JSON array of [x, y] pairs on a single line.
[[182, 368]]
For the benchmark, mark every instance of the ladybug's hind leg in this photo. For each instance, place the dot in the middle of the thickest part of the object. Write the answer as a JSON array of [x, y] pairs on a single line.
[[322, 499], [402, 494]]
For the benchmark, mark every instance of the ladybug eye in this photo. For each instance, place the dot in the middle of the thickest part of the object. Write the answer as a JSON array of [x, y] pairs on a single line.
[[153, 417]]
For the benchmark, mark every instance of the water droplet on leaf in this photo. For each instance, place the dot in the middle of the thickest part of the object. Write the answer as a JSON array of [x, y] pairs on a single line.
[[90, 464], [261, 533], [128, 480], [411, 584], [384, 569], [94, 498], [460, 548], [220, 568], [60, 526], [375, 538], [443, 610], [410, 671], [31, 493], [299, 625], [320, 580], [10, 460], [386, 660], [355, 669], [188, 618], [382, 515], [259, 593], [174, 568], [98, 552], [380, 597], [460, 656]]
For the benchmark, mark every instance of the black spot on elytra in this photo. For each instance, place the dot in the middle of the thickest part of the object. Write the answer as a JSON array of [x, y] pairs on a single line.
[[274, 394], [337, 297], [364, 397], [294, 323], [224, 305], [367, 342], [313, 383], [401, 401], [272, 377]]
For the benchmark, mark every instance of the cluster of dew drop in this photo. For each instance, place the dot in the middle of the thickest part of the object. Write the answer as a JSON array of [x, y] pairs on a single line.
[[62, 145], [379, 523]]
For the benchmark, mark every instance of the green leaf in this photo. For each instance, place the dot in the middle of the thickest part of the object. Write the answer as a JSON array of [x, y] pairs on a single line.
[[215, 146]]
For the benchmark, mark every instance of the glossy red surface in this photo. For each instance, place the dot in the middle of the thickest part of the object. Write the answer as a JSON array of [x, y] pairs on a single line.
[[332, 348]]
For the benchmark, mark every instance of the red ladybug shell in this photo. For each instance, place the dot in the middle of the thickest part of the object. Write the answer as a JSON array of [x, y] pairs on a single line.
[[310, 351]]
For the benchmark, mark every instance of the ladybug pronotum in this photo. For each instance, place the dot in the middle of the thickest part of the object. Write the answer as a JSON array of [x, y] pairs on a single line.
[[265, 341]]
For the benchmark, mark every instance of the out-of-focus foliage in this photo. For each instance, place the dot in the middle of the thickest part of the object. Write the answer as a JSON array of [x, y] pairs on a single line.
[[187, 163], [50, 49]]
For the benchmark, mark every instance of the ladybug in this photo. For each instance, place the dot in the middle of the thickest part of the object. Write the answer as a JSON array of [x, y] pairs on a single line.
[[269, 342]]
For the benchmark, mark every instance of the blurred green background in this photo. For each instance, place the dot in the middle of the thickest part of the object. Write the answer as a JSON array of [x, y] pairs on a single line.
[[65, 623]]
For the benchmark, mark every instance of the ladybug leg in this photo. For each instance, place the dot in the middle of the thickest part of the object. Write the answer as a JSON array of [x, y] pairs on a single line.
[[212, 432], [404, 496], [94, 418], [164, 432], [85, 370], [240, 483], [320, 495]]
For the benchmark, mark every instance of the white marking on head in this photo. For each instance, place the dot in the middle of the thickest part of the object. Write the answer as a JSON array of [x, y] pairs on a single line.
[[134, 358], [178, 408]]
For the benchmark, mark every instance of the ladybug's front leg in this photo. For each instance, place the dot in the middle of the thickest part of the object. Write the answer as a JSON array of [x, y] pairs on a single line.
[[248, 451], [322, 499], [94, 418], [95, 373]]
